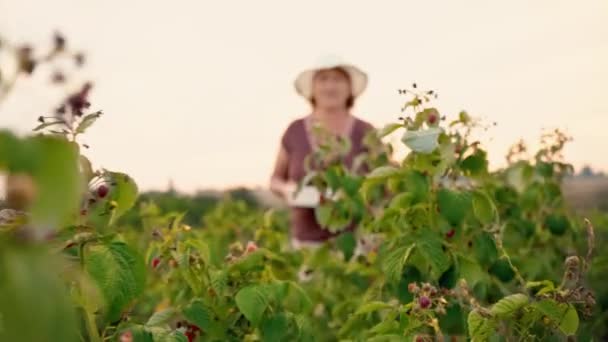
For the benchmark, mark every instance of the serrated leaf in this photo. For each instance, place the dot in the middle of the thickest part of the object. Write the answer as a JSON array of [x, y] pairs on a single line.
[[86, 168], [569, 323], [389, 338], [422, 141], [564, 315], [551, 309], [417, 185], [475, 164], [252, 302], [48, 124], [34, 303], [48, 166], [385, 327], [507, 306], [219, 281], [395, 260], [388, 129], [485, 249], [383, 172], [274, 327], [371, 307], [323, 214], [124, 193], [297, 300], [161, 317], [402, 200], [480, 328], [119, 272], [198, 313], [547, 286], [87, 121], [453, 205], [483, 208], [165, 335], [430, 246], [140, 334], [346, 243]]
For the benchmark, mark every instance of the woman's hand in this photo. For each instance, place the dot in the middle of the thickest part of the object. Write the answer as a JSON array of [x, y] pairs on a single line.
[[283, 188]]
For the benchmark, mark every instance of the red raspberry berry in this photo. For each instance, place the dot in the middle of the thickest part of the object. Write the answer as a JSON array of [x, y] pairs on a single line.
[[424, 302], [251, 247], [432, 119], [450, 233], [102, 191], [155, 262], [127, 336]]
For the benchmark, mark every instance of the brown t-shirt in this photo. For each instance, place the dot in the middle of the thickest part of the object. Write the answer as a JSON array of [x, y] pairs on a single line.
[[295, 140]]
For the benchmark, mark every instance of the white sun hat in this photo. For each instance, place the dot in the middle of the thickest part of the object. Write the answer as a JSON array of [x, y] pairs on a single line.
[[358, 78]]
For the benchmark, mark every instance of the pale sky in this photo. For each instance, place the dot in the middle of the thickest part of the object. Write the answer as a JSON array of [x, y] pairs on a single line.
[[201, 91]]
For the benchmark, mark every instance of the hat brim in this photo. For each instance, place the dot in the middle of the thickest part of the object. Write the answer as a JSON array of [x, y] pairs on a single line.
[[358, 79]]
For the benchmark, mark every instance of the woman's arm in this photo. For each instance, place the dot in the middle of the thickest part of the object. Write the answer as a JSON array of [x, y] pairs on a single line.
[[279, 183]]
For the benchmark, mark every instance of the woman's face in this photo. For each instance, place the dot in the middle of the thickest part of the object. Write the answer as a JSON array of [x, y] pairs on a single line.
[[331, 89]]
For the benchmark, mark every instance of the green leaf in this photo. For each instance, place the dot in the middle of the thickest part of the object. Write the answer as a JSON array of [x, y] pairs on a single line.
[[53, 165], [475, 164], [484, 208], [416, 184], [124, 192], [274, 327], [385, 327], [569, 323], [485, 249], [48, 124], [551, 309], [249, 262], [297, 300], [388, 129], [34, 305], [323, 214], [422, 141], [87, 121], [383, 172], [564, 315], [347, 243], [140, 334], [395, 260], [119, 273], [507, 306], [332, 176], [470, 269], [219, 281], [372, 306], [86, 169], [480, 328], [175, 336], [161, 317], [430, 246], [387, 338], [402, 200], [449, 278], [252, 302], [453, 205], [502, 270], [351, 185], [545, 285], [198, 313]]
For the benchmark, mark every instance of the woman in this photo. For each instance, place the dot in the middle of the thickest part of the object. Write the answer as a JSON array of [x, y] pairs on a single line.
[[331, 88]]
